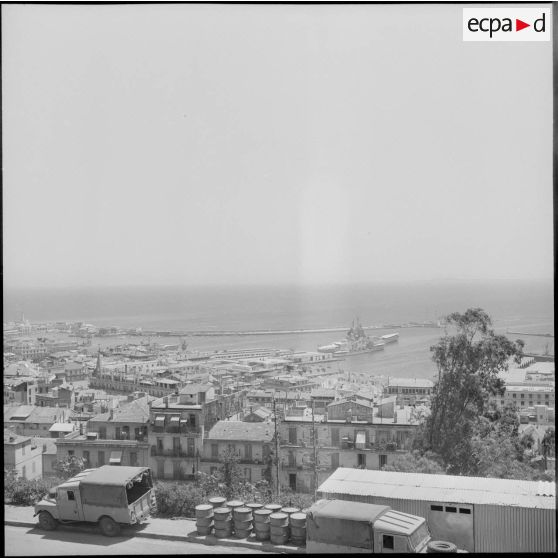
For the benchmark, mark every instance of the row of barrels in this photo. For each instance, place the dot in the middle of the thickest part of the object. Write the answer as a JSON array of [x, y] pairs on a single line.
[[271, 522]]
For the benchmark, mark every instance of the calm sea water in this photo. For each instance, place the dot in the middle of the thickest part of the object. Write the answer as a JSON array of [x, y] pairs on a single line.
[[526, 307]]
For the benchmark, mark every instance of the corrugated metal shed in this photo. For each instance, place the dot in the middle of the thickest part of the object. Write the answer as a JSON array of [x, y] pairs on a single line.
[[507, 515], [440, 488]]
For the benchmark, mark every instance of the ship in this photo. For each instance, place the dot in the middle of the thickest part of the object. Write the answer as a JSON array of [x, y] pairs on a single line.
[[390, 337], [356, 343]]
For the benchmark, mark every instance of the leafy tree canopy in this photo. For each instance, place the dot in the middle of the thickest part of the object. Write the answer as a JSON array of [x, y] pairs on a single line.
[[469, 358]]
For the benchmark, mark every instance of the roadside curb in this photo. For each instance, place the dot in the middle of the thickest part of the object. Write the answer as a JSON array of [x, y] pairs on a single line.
[[209, 540]]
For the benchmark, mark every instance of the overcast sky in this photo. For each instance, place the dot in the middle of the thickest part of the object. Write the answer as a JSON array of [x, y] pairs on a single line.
[[192, 144]]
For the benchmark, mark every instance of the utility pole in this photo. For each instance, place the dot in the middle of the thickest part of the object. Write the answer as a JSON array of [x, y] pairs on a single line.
[[315, 453], [276, 446]]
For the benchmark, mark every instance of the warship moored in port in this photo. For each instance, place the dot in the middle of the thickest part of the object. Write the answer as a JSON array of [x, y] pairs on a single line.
[[356, 343]]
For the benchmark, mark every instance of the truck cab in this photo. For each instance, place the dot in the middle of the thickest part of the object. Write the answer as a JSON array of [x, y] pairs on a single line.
[[110, 496], [339, 526]]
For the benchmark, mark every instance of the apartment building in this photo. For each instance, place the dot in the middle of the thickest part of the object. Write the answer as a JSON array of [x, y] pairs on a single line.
[[118, 436], [409, 390], [23, 455], [351, 435], [250, 441], [28, 420], [176, 427], [523, 396]]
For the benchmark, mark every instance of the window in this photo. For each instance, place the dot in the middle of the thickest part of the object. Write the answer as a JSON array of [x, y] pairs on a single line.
[[214, 450], [191, 446], [86, 456], [70, 452], [193, 421], [334, 460], [361, 460], [387, 541], [71, 495], [383, 461], [248, 451], [22, 450], [465, 511], [23, 472], [292, 435], [434, 507], [451, 509], [101, 458]]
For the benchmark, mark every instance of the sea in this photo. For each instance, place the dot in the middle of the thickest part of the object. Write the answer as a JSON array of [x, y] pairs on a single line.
[[525, 307]]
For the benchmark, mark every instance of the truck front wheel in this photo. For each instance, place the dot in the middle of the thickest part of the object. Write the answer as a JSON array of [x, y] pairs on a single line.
[[109, 527], [47, 522]]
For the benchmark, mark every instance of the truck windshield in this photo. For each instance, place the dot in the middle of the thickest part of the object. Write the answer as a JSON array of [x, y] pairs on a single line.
[[419, 536], [138, 487]]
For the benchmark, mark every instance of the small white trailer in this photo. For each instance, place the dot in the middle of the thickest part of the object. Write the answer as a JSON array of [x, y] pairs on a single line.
[[477, 514]]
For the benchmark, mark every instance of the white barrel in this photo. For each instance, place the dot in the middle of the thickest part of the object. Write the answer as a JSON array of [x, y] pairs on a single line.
[[297, 520], [222, 513], [298, 532], [223, 525], [204, 521], [204, 510], [262, 535], [254, 506], [242, 533], [273, 507], [290, 510], [279, 519], [242, 514], [234, 504], [261, 516], [204, 530], [279, 539], [242, 525], [217, 501]]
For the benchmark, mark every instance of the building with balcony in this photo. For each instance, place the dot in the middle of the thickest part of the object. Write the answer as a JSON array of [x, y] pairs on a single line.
[[176, 434], [118, 436], [250, 441], [409, 390], [351, 435], [98, 452]]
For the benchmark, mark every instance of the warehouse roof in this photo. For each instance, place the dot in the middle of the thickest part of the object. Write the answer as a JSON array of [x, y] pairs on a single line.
[[440, 488]]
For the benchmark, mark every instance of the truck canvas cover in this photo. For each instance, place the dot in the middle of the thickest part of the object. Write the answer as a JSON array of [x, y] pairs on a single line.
[[106, 486], [343, 523]]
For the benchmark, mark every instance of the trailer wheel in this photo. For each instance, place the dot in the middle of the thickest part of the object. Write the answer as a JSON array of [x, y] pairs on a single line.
[[441, 547], [47, 522], [109, 527]]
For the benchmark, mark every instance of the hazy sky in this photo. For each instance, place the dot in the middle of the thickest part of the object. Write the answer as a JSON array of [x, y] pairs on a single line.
[[187, 144]]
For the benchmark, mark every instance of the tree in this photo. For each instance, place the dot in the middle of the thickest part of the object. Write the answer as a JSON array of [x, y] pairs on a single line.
[[70, 466], [548, 444], [414, 462], [469, 361]]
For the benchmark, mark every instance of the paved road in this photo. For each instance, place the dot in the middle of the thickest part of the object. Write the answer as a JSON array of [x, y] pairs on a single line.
[[26, 541]]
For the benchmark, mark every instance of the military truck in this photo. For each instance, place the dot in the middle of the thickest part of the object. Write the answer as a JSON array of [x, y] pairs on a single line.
[[339, 526], [110, 496]]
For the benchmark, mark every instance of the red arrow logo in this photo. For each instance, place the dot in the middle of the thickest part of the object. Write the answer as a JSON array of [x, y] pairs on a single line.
[[519, 25]]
